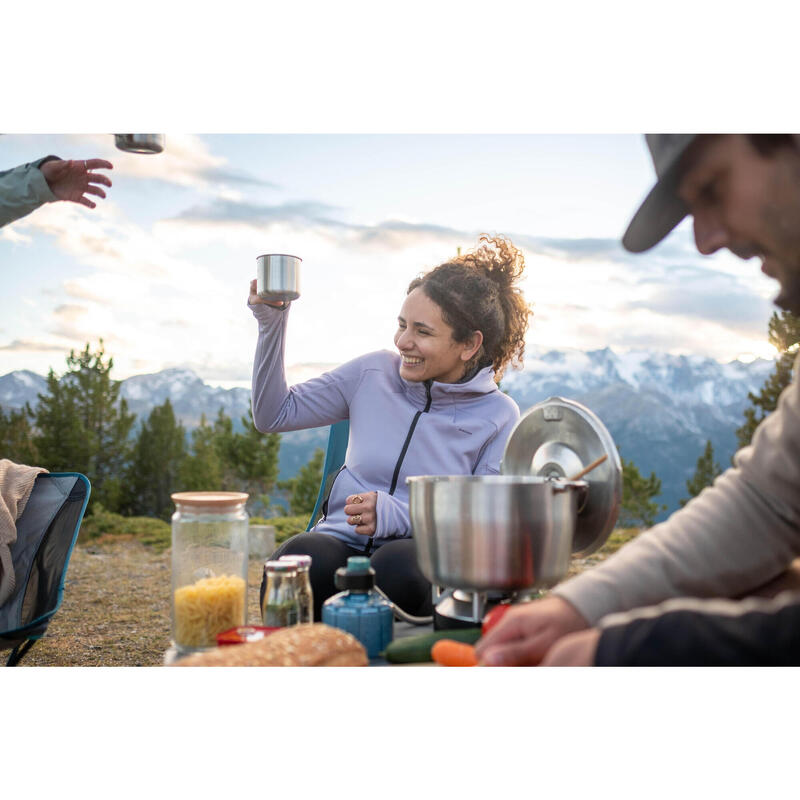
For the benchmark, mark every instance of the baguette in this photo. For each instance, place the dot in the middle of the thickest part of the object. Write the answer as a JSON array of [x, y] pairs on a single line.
[[314, 645]]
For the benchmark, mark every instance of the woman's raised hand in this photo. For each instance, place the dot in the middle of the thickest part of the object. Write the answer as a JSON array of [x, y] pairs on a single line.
[[254, 299], [360, 510]]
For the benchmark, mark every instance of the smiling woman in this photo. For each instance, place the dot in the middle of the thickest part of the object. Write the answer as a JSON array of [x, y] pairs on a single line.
[[432, 409]]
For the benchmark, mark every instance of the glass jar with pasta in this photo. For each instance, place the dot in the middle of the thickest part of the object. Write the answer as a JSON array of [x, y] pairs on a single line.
[[209, 567]]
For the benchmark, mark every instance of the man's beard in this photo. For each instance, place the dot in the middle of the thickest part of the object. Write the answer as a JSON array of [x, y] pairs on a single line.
[[789, 296]]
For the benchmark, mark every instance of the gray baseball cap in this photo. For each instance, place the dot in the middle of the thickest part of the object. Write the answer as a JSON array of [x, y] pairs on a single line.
[[662, 209]]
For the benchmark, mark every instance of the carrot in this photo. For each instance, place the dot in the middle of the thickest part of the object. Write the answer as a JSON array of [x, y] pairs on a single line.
[[450, 653]]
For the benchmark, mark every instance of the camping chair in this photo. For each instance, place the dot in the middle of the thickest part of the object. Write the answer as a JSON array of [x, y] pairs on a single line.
[[46, 534], [334, 461]]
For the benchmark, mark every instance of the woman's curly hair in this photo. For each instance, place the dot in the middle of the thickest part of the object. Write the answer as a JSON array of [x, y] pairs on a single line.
[[478, 291]]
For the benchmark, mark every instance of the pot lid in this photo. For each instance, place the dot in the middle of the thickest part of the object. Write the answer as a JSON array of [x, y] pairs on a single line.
[[557, 438]]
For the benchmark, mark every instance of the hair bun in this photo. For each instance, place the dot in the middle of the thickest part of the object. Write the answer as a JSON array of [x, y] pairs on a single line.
[[498, 259]]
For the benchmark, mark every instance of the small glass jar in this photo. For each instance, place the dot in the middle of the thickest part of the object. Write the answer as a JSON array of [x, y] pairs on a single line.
[[209, 567], [305, 597], [280, 607]]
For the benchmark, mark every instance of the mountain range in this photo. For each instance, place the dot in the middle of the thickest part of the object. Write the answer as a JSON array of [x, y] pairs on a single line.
[[659, 408]]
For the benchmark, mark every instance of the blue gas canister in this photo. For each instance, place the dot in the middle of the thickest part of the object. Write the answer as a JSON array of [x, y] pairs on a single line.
[[359, 609]]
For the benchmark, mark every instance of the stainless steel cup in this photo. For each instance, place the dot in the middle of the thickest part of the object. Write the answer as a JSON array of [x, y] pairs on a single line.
[[278, 276], [139, 142]]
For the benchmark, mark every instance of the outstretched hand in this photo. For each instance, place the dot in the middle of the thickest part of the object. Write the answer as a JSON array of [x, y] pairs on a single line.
[[361, 512], [72, 180], [254, 299]]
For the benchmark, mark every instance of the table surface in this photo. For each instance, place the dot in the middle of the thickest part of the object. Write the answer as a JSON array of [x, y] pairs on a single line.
[[401, 631]]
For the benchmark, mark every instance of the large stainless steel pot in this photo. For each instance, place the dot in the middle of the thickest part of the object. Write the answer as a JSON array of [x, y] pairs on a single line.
[[278, 276], [494, 532]]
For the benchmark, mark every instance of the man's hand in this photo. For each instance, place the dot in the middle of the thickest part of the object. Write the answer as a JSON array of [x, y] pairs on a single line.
[[70, 180], [573, 650], [527, 632], [360, 510]]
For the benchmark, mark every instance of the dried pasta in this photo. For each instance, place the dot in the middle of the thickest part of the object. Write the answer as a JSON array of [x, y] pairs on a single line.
[[208, 607]]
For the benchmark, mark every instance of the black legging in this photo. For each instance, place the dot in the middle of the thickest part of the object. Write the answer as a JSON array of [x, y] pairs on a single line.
[[395, 565]]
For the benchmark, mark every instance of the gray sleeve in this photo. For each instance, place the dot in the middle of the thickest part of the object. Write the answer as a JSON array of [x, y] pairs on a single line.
[[278, 407], [23, 189]]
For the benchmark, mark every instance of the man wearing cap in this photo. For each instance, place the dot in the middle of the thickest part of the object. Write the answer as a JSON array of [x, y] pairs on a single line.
[[667, 597]]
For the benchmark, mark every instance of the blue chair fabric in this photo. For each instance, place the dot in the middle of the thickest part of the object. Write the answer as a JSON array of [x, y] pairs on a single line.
[[338, 437], [46, 535]]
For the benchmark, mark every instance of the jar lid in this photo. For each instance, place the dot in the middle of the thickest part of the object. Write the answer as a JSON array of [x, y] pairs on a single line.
[[280, 566], [209, 500], [303, 562]]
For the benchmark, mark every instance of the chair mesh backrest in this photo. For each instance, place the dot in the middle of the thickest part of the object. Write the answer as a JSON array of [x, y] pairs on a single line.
[[338, 437], [46, 533]]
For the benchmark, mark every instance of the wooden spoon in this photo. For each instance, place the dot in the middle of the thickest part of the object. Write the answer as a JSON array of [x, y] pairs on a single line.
[[596, 463]]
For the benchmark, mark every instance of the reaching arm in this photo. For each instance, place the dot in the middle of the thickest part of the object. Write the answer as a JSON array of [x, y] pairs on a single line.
[[25, 188], [277, 406], [22, 190]]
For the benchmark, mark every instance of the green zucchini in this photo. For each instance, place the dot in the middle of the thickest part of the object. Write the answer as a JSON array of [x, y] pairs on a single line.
[[416, 649]]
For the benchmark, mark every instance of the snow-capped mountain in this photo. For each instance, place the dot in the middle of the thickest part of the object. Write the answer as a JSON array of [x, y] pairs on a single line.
[[659, 408], [17, 388], [189, 395]]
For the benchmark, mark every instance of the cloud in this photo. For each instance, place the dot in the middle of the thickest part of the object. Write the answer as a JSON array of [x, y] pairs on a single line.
[[389, 235], [9, 233], [395, 233], [216, 371], [27, 346], [223, 210], [186, 161], [712, 300]]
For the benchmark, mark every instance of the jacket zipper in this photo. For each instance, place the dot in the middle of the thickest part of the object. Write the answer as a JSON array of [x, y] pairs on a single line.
[[395, 477]]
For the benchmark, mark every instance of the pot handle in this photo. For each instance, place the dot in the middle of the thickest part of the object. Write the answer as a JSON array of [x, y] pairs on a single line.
[[581, 487]]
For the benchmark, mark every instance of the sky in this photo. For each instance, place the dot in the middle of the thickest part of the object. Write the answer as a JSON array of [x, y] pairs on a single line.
[[160, 269]]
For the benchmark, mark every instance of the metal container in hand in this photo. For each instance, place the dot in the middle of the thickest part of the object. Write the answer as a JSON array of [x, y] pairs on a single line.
[[147, 143], [278, 277], [494, 532]]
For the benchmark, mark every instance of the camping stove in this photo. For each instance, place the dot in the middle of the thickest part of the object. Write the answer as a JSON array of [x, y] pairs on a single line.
[[460, 608]]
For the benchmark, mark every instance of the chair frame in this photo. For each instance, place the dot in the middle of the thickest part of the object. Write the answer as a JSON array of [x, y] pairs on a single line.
[[23, 637]]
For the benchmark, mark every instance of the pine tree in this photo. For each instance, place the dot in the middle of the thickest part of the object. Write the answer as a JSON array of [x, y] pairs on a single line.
[[16, 443], [249, 459], [257, 458], [83, 425], [202, 470], [638, 508], [304, 487], [707, 469], [156, 461], [784, 334]]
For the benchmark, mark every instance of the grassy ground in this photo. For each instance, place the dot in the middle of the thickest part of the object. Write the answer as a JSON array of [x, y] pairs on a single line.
[[116, 608]]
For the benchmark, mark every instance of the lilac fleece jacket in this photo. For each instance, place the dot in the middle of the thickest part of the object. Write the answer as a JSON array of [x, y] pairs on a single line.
[[462, 428]]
